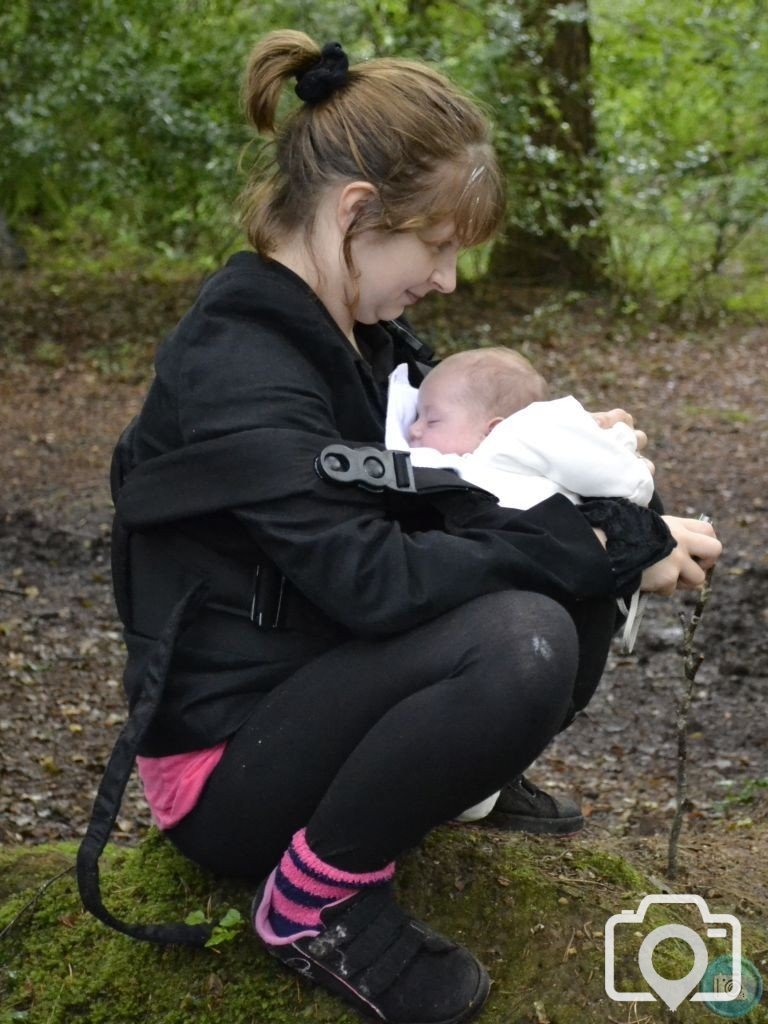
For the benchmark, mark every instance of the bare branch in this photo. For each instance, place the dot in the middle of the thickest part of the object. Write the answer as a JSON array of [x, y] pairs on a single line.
[[30, 904], [691, 663]]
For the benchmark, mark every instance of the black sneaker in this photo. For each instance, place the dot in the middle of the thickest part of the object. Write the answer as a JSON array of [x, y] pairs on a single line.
[[523, 807], [386, 964]]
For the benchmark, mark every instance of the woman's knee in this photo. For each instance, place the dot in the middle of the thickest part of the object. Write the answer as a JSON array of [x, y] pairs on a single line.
[[527, 654], [524, 623]]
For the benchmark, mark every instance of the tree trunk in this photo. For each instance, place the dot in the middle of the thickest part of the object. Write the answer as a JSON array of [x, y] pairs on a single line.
[[12, 256], [568, 252]]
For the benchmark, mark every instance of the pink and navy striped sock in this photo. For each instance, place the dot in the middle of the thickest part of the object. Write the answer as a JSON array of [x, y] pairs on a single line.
[[300, 887]]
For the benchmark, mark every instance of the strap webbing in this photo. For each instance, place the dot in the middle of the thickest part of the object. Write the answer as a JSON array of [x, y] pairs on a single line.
[[112, 787]]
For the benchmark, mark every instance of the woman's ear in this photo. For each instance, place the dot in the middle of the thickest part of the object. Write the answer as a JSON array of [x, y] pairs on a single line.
[[353, 198]]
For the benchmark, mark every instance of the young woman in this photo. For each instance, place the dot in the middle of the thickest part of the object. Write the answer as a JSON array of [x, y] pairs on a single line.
[[340, 655]]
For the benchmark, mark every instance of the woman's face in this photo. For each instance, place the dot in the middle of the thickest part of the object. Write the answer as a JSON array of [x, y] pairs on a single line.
[[397, 270]]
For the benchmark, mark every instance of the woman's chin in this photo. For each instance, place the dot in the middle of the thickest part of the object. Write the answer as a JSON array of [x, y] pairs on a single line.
[[383, 314]]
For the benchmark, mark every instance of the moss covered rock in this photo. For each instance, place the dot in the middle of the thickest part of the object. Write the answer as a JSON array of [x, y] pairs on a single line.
[[533, 910]]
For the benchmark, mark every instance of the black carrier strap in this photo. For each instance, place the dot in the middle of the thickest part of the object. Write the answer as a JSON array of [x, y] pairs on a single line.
[[421, 356], [115, 779], [375, 469]]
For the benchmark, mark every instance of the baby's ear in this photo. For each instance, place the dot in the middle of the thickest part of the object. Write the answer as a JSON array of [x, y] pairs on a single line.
[[493, 423]]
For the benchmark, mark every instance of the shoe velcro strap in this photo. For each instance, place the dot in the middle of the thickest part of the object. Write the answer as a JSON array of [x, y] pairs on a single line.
[[372, 941], [382, 974], [358, 916]]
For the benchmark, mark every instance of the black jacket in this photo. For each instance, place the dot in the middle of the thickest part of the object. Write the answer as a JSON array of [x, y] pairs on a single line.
[[251, 385]]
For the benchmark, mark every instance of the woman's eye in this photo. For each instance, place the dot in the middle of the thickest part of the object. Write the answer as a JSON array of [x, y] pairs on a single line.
[[439, 248], [450, 245]]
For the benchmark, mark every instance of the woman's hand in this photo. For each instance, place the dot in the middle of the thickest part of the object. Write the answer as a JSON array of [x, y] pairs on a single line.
[[607, 419], [685, 568]]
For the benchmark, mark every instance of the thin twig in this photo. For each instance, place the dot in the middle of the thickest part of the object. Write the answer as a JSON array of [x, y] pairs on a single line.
[[31, 903], [691, 663], [580, 881], [568, 947]]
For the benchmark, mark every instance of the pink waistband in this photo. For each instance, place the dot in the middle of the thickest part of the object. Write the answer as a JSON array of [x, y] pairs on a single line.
[[173, 784]]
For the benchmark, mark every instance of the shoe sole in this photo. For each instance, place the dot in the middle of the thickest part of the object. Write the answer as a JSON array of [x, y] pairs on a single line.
[[304, 964], [536, 826]]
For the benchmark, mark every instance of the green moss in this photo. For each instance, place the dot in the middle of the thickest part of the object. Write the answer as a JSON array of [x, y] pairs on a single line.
[[532, 909], [597, 864], [23, 868], [61, 965]]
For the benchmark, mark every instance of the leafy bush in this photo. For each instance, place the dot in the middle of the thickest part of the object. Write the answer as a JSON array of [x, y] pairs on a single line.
[[681, 92], [123, 114]]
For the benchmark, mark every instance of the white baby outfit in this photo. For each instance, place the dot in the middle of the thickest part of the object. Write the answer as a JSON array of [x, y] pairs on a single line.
[[544, 449]]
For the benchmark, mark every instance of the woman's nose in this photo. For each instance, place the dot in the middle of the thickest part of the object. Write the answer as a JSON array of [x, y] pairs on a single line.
[[444, 276]]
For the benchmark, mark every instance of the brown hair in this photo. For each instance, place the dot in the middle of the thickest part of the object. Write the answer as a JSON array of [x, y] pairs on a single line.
[[498, 380], [397, 124]]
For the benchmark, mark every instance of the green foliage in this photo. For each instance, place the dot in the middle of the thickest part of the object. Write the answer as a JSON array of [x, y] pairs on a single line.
[[225, 929], [122, 127], [682, 94], [119, 111], [748, 793]]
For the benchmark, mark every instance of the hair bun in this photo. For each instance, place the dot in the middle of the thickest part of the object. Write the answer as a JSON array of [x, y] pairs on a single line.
[[322, 79]]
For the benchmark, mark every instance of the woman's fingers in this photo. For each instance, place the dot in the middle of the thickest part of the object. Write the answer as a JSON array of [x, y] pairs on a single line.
[[698, 538], [692, 574], [685, 568], [661, 577], [706, 551], [613, 416], [677, 571], [607, 419]]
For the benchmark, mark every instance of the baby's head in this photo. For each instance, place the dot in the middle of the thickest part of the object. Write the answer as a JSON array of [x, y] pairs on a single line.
[[466, 395]]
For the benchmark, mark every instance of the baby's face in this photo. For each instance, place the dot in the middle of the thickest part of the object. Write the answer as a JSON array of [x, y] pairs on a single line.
[[445, 417]]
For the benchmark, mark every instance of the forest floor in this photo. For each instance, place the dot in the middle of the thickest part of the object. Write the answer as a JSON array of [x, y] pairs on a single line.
[[75, 363]]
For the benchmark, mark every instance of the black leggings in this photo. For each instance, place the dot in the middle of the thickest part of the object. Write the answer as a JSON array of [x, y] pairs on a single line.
[[375, 742]]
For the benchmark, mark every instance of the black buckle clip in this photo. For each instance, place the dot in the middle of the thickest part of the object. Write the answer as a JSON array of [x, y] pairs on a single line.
[[371, 468]]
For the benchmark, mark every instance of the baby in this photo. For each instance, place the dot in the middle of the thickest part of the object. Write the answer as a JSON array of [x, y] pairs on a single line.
[[484, 414], [468, 394]]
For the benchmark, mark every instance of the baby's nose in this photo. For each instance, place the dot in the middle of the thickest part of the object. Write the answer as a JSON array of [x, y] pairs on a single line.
[[414, 433]]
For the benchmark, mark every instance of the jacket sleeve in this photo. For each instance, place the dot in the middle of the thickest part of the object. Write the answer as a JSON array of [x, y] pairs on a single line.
[[341, 546], [365, 572]]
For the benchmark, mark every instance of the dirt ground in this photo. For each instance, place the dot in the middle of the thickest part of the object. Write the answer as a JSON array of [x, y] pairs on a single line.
[[699, 394]]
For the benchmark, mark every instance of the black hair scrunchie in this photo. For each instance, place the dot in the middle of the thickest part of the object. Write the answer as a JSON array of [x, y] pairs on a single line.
[[322, 79]]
